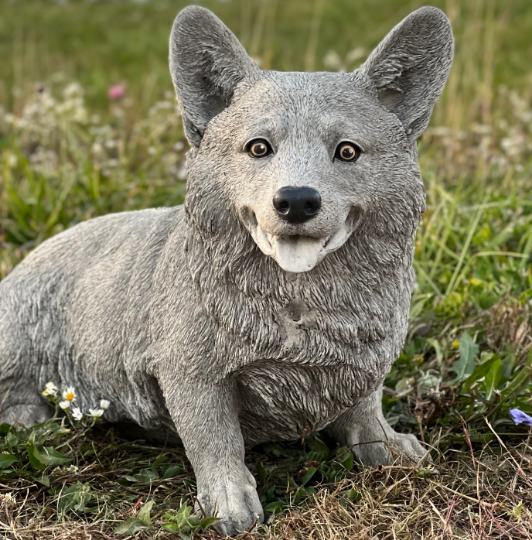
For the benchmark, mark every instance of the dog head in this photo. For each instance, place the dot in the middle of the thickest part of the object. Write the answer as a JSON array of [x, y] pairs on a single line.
[[303, 159]]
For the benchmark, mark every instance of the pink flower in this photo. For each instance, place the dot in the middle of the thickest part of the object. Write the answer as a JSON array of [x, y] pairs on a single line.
[[116, 91]]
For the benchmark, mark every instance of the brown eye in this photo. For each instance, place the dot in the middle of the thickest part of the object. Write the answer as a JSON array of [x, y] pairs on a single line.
[[347, 151], [259, 148]]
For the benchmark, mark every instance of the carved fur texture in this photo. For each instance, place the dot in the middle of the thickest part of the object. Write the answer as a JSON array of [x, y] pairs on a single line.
[[220, 321]]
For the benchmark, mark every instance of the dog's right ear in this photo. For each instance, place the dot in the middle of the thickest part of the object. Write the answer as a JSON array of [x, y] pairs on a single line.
[[207, 62]]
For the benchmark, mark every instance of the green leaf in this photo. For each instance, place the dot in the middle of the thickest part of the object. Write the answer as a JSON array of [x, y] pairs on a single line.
[[311, 471], [519, 381], [435, 344], [44, 480], [172, 527], [171, 472], [344, 454], [75, 498], [301, 493], [349, 462], [466, 363], [275, 507], [492, 379], [508, 366], [144, 514], [145, 476], [14, 473], [53, 457], [40, 459], [6, 460], [354, 495], [129, 478], [131, 526], [261, 471], [185, 522], [320, 448], [207, 522], [61, 431], [36, 459], [159, 461], [11, 439], [405, 385], [480, 371]]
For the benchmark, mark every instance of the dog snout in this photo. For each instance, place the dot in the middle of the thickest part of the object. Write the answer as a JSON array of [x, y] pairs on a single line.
[[296, 204]]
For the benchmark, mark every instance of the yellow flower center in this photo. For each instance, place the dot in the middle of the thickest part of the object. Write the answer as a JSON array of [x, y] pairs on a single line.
[[70, 396]]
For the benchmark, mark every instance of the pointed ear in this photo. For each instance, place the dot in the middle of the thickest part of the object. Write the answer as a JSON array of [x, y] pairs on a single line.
[[206, 62], [410, 66]]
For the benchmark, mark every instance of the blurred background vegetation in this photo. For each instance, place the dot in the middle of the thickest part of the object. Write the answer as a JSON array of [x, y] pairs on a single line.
[[89, 125], [105, 42]]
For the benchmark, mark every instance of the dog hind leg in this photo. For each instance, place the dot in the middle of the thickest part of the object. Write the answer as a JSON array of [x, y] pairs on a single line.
[[25, 415], [20, 401]]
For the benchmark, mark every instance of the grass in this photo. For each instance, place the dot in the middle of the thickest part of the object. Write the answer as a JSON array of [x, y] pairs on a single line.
[[68, 153]]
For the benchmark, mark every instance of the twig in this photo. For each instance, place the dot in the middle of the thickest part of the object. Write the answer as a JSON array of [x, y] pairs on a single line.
[[467, 497], [479, 500], [11, 488], [437, 511], [366, 442], [498, 525], [383, 495], [448, 517]]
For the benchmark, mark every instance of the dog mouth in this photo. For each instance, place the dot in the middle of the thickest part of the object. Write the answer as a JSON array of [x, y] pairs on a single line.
[[297, 253]]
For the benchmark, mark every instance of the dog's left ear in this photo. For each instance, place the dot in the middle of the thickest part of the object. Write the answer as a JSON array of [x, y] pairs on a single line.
[[410, 66], [207, 62]]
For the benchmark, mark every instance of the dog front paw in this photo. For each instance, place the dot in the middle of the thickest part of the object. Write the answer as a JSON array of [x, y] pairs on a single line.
[[235, 504], [373, 445]]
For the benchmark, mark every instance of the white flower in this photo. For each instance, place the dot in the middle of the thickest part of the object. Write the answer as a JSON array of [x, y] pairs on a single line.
[[77, 414], [70, 469], [8, 499], [50, 389], [73, 90], [69, 394], [65, 405], [96, 412], [356, 54], [104, 404], [97, 148]]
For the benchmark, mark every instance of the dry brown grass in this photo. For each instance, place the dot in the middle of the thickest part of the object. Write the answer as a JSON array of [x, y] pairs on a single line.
[[397, 503], [470, 496]]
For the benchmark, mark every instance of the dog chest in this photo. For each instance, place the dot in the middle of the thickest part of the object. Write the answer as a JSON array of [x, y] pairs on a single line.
[[284, 401]]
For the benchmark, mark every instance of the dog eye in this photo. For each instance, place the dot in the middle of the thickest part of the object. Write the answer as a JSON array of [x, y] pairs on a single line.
[[259, 148], [347, 151]]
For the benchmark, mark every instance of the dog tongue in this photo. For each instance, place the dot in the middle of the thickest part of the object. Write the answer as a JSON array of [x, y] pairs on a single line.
[[296, 253]]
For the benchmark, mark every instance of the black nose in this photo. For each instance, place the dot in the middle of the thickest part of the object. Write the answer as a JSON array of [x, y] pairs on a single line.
[[297, 204]]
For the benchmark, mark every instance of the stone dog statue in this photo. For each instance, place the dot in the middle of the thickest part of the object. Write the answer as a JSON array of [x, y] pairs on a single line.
[[275, 300]]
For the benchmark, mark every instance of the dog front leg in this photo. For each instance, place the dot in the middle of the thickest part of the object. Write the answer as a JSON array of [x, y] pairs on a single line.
[[206, 419], [365, 430]]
